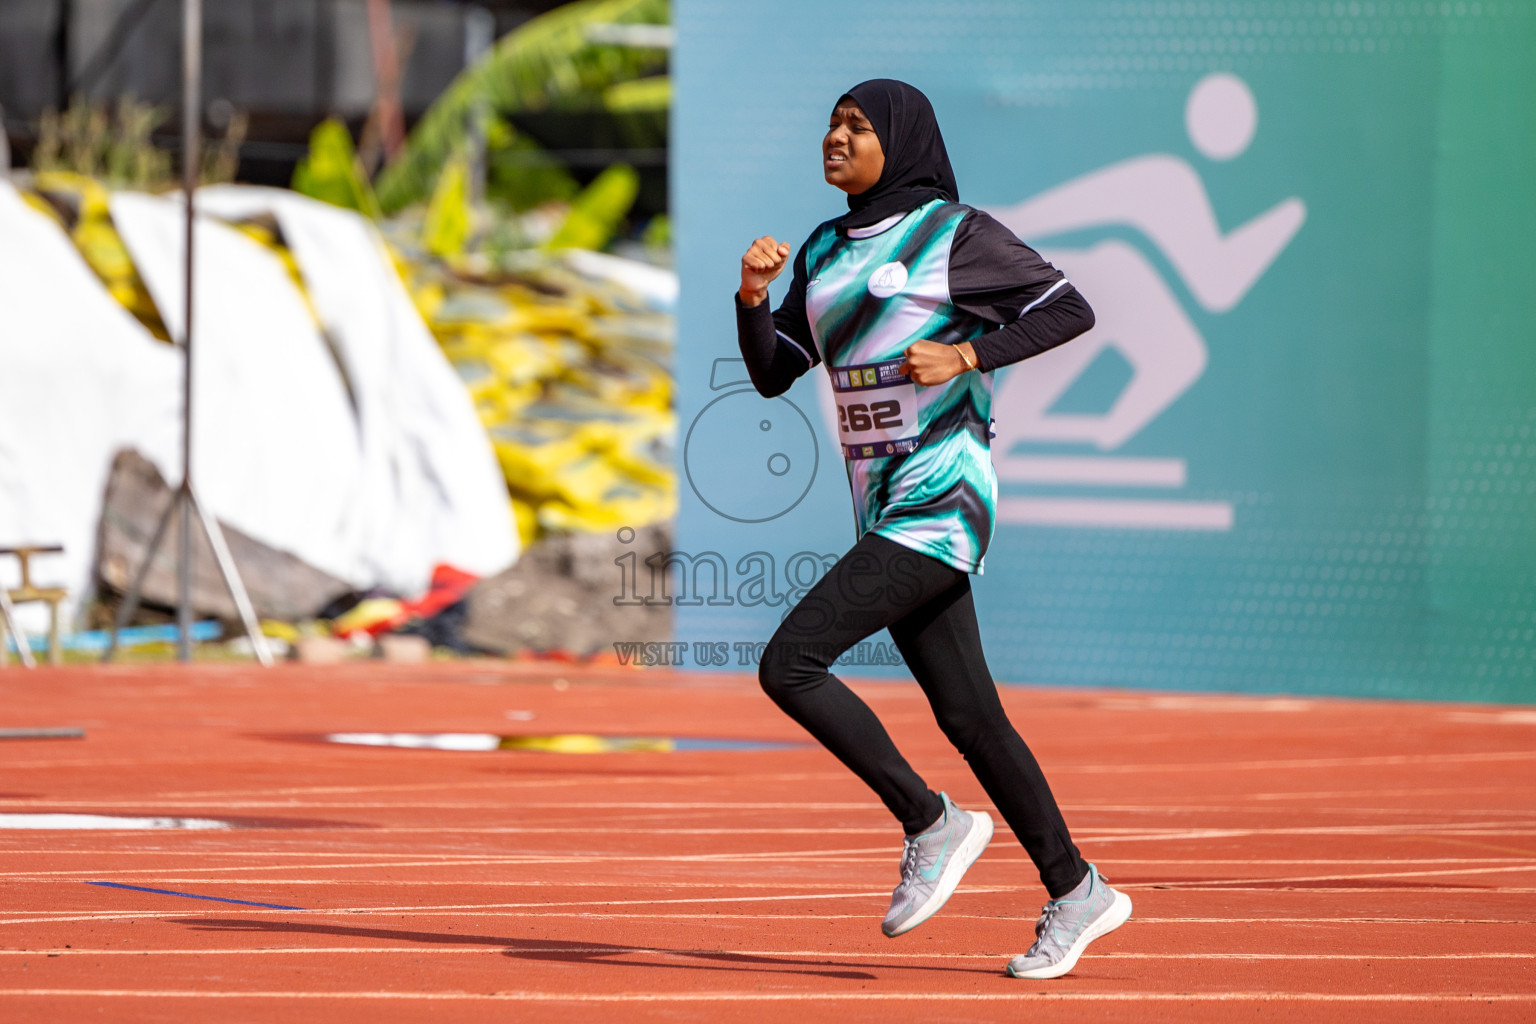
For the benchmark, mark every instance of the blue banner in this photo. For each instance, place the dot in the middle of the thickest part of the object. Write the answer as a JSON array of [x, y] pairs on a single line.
[[1295, 454]]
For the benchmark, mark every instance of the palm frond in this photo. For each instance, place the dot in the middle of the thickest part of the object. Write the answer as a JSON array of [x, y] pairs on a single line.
[[639, 95], [598, 210], [551, 62], [332, 172]]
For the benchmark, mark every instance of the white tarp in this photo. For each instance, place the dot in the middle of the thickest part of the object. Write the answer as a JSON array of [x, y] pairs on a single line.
[[79, 379], [373, 470], [275, 450], [431, 489]]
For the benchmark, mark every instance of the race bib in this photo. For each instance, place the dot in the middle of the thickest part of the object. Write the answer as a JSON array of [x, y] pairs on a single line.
[[876, 410]]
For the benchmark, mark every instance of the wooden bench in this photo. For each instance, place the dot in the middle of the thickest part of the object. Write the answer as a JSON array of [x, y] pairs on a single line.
[[28, 592]]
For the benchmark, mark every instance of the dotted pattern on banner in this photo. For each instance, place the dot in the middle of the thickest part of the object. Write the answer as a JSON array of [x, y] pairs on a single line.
[[1290, 608], [1134, 46], [1482, 516], [1434, 599]]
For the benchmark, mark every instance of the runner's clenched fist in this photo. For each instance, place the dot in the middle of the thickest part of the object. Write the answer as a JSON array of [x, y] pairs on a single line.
[[930, 363], [763, 262]]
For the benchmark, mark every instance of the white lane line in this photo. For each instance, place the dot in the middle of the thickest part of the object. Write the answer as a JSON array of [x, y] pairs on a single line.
[[1022, 994], [583, 829], [1089, 834], [1166, 883], [873, 855], [1216, 808], [881, 893], [1270, 919], [1352, 876], [562, 777], [574, 777], [625, 883], [1357, 829], [291, 807], [857, 954], [1363, 859], [1097, 835], [206, 854], [1263, 885], [414, 859], [606, 805], [137, 803], [460, 860], [1439, 791], [64, 916], [519, 883], [1216, 767], [585, 779]]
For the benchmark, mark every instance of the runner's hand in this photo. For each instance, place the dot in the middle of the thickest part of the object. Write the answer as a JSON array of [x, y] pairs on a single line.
[[929, 363], [763, 262]]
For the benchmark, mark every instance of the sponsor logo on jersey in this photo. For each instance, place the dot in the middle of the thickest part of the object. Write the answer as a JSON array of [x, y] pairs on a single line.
[[887, 280]]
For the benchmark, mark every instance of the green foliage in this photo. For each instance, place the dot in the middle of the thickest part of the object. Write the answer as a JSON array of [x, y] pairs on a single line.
[[549, 63], [331, 172], [658, 232], [448, 220], [519, 174], [641, 108], [598, 211], [221, 160], [114, 148], [639, 96]]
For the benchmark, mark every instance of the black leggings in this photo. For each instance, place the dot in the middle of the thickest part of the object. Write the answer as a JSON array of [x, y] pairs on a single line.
[[927, 607]]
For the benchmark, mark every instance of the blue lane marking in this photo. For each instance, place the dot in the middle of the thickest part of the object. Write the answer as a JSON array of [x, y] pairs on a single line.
[[193, 896]]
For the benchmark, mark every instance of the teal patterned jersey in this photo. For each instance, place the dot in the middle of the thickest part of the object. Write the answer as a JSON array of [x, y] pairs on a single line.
[[918, 457]]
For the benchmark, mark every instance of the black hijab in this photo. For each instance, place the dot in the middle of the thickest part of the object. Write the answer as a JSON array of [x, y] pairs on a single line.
[[916, 164]]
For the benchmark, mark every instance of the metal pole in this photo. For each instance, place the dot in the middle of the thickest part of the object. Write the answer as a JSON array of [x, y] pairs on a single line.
[[131, 599], [185, 499], [8, 618], [479, 38], [191, 139], [232, 581]]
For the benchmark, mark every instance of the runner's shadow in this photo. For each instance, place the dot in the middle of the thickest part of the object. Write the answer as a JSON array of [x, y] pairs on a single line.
[[567, 951], [561, 950]]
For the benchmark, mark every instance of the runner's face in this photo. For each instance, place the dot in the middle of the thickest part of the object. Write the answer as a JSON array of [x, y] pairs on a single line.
[[851, 157]]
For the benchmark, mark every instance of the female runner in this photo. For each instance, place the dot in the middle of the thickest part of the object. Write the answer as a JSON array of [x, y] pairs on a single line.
[[912, 299]]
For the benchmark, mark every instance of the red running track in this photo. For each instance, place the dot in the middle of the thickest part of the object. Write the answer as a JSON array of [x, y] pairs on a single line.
[[1289, 859]]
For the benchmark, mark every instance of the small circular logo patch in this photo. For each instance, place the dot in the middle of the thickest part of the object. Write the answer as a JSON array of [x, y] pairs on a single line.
[[887, 280]]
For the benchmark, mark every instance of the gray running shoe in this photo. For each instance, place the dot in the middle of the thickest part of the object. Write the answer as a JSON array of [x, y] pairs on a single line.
[[1067, 925], [932, 864]]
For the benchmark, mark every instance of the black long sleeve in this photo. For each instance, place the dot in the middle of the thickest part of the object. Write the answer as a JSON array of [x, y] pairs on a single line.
[[776, 344], [998, 278], [1041, 329]]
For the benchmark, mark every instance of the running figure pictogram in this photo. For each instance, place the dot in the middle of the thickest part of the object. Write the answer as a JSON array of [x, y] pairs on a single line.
[[1164, 199]]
